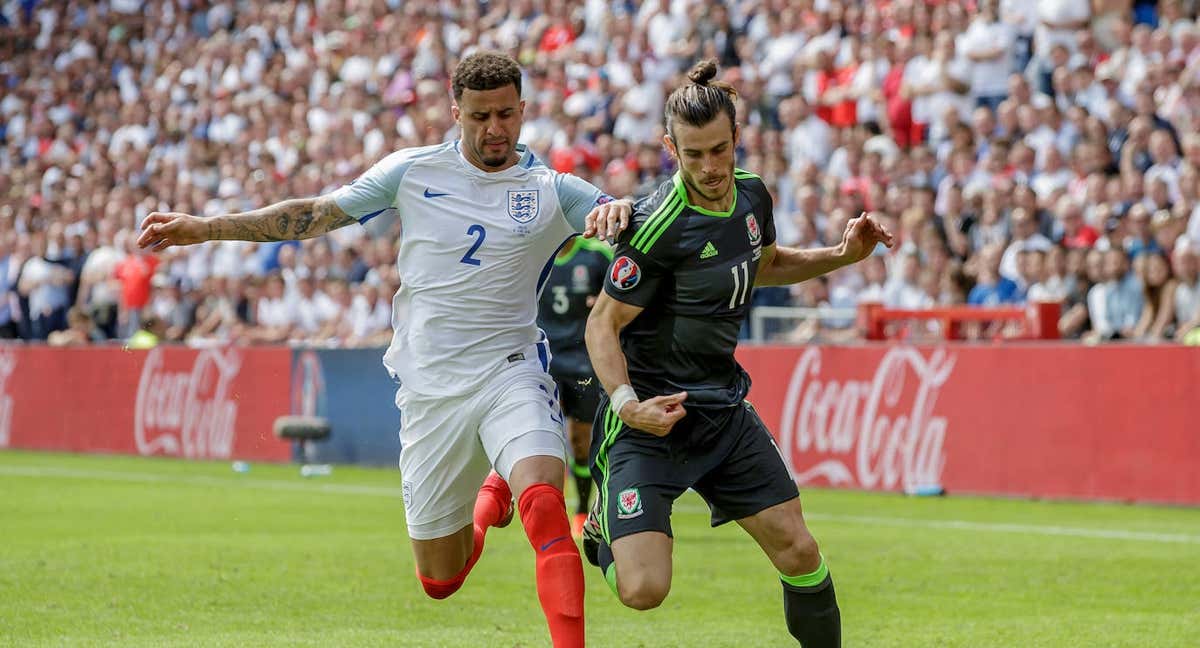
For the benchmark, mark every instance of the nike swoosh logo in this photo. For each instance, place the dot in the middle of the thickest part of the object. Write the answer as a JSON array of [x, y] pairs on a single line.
[[549, 544], [434, 194]]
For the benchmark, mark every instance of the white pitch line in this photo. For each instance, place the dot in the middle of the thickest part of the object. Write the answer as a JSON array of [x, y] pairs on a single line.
[[197, 480], [1004, 527], [990, 527], [385, 491]]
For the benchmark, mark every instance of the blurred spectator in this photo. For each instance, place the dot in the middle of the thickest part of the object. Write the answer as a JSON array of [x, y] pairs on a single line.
[[1185, 302], [275, 315], [990, 45], [992, 288], [10, 265], [99, 290], [1025, 238], [45, 287], [135, 272], [1115, 304], [903, 289], [1085, 269], [171, 306], [1158, 298], [1053, 283], [1071, 229], [80, 330]]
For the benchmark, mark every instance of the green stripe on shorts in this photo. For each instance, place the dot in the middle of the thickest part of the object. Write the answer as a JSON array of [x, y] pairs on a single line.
[[612, 426]]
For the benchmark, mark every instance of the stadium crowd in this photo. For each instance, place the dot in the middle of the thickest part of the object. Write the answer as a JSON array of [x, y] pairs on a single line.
[[1023, 150]]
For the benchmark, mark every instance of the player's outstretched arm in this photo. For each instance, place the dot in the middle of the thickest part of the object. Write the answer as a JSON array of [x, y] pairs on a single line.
[[656, 415], [781, 266], [300, 218]]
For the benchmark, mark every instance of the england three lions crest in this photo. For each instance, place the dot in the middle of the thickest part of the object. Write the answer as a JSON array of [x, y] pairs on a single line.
[[523, 205]]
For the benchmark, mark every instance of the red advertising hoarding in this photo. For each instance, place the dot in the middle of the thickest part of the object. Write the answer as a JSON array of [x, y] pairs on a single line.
[[172, 401], [1119, 422]]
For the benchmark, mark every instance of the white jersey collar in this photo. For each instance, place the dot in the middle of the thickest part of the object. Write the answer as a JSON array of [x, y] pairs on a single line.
[[526, 162]]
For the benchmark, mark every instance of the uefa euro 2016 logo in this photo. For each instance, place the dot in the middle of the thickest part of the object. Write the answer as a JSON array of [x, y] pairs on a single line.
[[523, 205], [625, 273]]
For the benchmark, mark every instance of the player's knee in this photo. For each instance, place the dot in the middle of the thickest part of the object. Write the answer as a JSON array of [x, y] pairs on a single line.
[[800, 556], [643, 592]]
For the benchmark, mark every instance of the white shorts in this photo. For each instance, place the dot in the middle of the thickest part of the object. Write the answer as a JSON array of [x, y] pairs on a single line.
[[449, 444]]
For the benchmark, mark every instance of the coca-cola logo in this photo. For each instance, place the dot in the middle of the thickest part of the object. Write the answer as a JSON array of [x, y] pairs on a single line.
[[8, 365], [879, 433], [187, 411]]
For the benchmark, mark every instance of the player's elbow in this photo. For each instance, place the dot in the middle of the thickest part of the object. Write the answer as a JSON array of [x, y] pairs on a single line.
[[767, 275]]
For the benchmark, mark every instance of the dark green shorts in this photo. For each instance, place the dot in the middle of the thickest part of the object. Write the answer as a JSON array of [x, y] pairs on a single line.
[[579, 394], [726, 455]]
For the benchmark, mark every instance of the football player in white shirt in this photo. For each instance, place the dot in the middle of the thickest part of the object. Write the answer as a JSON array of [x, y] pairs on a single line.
[[482, 219]]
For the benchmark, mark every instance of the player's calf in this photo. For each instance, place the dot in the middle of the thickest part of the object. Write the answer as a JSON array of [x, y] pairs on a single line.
[[444, 563], [493, 507], [809, 602], [811, 609], [559, 569]]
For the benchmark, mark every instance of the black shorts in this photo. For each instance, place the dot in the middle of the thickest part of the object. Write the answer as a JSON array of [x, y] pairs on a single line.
[[726, 455], [580, 395]]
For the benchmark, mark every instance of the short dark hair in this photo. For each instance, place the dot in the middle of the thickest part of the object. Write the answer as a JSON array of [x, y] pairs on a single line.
[[485, 71], [700, 101]]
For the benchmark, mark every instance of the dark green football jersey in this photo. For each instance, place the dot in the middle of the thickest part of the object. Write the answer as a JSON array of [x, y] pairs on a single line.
[[692, 270], [575, 278]]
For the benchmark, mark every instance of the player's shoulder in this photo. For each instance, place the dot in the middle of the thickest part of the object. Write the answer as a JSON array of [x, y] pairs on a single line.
[[750, 182], [399, 163], [752, 188], [664, 195], [416, 153], [535, 167], [653, 215]]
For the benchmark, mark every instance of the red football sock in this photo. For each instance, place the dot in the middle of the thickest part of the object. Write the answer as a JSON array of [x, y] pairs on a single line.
[[492, 502], [440, 589], [490, 509], [559, 569]]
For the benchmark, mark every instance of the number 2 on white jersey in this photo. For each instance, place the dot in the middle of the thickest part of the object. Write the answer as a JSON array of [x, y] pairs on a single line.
[[479, 231]]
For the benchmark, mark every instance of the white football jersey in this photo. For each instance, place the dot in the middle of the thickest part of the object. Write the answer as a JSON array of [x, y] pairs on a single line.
[[475, 249]]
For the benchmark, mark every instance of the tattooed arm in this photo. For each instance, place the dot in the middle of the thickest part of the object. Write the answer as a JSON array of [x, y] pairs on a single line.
[[295, 219]]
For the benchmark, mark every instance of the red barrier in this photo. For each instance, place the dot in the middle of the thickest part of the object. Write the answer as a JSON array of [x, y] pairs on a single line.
[[201, 404], [1039, 320], [1116, 422]]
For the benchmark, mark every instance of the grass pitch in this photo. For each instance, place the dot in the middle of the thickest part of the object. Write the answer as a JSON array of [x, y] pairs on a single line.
[[154, 552]]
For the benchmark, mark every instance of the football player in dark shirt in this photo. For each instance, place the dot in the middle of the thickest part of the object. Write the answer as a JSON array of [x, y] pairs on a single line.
[[575, 279], [662, 337]]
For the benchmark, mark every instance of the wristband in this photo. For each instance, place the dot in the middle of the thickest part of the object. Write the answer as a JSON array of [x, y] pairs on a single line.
[[622, 395]]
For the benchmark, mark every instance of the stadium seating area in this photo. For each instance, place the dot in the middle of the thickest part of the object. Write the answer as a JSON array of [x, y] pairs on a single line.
[[1023, 150]]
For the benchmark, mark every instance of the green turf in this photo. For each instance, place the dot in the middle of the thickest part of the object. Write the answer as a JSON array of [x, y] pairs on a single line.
[[154, 552]]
